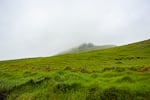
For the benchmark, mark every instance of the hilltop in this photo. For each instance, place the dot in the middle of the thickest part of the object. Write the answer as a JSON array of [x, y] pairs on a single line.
[[85, 47], [118, 73]]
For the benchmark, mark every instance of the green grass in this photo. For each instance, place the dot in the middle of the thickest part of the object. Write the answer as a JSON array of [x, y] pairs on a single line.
[[118, 73]]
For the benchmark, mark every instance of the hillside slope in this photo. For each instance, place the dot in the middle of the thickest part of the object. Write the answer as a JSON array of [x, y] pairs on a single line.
[[118, 73], [98, 58]]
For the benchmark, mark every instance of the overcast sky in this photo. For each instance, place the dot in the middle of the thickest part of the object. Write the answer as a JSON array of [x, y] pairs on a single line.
[[31, 28]]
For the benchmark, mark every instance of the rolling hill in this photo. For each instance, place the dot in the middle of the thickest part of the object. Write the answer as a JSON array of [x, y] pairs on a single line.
[[118, 73]]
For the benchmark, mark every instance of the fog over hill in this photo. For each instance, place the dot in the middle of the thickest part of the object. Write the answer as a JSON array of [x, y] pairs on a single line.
[[85, 47]]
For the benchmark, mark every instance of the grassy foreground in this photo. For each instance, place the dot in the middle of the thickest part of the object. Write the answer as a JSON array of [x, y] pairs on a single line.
[[120, 73]]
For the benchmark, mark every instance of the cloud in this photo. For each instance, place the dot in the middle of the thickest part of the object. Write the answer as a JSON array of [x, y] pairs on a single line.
[[30, 28]]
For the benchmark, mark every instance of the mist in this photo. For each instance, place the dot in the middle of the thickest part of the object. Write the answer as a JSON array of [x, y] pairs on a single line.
[[38, 28]]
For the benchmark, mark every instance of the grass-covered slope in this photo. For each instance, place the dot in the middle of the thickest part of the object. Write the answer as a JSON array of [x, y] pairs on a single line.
[[119, 73]]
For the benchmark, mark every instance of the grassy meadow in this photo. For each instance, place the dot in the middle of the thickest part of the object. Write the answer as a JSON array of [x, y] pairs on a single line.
[[119, 73]]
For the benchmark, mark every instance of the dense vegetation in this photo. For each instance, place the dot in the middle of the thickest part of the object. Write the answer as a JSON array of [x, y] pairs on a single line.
[[120, 73]]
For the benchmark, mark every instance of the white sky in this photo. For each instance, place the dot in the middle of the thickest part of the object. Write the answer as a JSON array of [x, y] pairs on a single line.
[[31, 28]]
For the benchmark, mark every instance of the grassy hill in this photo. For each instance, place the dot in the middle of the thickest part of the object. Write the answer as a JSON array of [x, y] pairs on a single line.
[[118, 73], [87, 47]]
